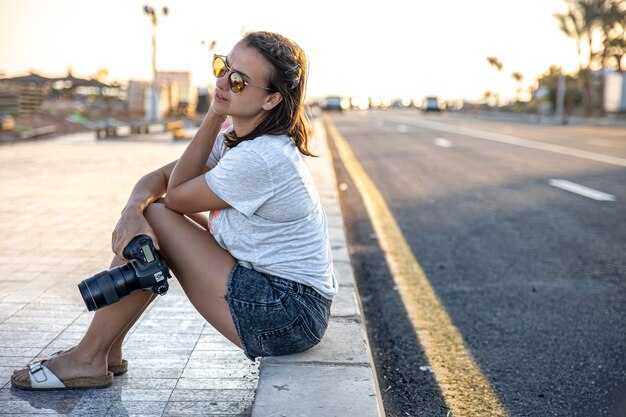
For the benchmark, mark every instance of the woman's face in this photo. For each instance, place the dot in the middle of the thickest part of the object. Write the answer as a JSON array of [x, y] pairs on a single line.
[[251, 101]]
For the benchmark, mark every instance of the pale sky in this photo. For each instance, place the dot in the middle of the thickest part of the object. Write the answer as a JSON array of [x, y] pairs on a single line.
[[390, 48]]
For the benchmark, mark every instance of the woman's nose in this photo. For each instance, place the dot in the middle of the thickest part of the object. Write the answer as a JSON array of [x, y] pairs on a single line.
[[222, 82]]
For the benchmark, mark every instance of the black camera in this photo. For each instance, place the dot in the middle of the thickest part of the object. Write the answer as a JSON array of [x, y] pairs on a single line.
[[145, 271]]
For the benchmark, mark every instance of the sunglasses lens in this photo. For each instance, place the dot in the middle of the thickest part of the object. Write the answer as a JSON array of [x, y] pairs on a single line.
[[219, 66], [236, 82]]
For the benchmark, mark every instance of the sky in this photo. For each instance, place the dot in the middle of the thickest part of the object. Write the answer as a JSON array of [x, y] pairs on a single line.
[[390, 48]]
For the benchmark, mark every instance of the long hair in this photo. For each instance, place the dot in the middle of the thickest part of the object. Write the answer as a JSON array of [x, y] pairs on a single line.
[[288, 76]]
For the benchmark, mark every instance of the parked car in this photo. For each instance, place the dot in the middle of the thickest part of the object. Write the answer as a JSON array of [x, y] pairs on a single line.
[[432, 103], [331, 103], [7, 122]]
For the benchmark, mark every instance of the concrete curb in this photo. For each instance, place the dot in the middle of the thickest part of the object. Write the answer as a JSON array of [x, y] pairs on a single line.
[[337, 377]]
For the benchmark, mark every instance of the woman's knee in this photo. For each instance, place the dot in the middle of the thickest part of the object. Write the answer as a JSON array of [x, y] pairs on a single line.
[[163, 220], [155, 210]]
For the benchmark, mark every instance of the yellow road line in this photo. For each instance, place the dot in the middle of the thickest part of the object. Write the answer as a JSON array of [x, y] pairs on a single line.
[[464, 387]]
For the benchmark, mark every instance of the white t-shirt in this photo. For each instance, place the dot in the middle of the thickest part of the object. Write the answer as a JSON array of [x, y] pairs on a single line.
[[276, 223]]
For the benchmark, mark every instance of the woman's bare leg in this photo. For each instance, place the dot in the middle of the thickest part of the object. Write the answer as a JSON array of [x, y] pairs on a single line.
[[115, 352], [109, 324], [201, 266]]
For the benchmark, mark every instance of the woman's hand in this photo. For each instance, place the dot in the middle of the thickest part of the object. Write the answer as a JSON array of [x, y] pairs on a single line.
[[212, 113], [131, 223]]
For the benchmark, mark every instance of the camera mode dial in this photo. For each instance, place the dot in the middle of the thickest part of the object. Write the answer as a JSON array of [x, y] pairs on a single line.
[[160, 289]]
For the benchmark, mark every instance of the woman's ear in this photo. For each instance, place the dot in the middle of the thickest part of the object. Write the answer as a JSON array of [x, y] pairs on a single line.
[[272, 101]]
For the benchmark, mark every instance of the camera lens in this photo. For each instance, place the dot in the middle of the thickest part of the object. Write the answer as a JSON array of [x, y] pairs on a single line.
[[107, 287]]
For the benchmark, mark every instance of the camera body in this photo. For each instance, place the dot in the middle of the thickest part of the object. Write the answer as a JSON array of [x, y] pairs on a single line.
[[146, 270]]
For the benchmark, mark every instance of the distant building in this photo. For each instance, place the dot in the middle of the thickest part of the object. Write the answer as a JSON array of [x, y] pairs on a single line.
[[9, 100], [175, 94], [136, 95], [31, 92], [27, 94], [70, 86], [178, 88]]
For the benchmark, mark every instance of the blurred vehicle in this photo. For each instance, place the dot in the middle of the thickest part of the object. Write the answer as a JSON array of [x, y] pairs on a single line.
[[331, 103], [7, 122], [360, 103], [401, 103], [432, 103], [376, 103]]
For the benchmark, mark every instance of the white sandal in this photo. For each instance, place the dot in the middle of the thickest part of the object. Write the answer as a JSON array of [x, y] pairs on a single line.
[[42, 378]]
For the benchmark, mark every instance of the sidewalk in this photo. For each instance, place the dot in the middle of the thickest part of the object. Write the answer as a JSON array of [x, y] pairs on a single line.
[[60, 199]]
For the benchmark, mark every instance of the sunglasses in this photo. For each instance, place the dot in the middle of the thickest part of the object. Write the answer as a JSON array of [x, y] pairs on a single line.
[[235, 79]]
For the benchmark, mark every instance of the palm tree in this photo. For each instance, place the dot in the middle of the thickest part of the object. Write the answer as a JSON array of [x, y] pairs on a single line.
[[616, 49], [610, 26], [487, 95], [518, 77], [495, 62], [614, 33], [581, 22], [588, 20], [573, 27]]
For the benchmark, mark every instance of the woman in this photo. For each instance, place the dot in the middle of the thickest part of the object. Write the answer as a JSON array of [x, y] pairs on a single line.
[[260, 268]]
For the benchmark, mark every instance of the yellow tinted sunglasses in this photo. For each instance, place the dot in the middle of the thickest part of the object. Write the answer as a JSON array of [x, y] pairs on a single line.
[[235, 79]]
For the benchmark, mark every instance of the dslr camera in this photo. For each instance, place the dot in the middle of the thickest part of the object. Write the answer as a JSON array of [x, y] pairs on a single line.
[[145, 271]]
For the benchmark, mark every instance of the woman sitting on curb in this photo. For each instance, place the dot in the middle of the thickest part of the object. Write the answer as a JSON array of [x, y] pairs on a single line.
[[260, 268]]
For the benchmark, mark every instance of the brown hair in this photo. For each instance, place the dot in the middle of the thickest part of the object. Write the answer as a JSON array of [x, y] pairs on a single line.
[[287, 77]]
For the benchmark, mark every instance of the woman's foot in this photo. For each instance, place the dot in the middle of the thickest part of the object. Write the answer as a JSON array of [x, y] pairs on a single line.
[[115, 357], [115, 361], [68, 365]]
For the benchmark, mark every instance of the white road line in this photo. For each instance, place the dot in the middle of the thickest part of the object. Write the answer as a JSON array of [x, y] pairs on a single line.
[[497, 137], [444, 143], [581, 190], [402, 128]]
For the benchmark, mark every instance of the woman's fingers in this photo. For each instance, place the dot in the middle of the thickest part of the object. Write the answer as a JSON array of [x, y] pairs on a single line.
[[120, 241], [131, 224], [154, 241], [117, 248]]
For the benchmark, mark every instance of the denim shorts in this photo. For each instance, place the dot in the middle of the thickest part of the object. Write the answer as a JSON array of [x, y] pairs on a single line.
[[275, 316]]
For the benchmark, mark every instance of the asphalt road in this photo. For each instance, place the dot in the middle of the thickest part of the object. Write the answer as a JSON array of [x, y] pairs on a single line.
[[531, 272]]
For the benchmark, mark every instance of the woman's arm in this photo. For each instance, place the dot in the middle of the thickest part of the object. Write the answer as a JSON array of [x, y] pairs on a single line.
[[148, 189], [187, 191]]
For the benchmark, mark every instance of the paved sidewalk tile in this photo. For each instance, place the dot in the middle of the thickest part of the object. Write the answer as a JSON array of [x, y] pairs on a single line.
[[59, 201]]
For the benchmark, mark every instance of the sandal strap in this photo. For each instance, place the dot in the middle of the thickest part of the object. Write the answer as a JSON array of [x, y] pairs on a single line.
[[55, 354], [42, 377]]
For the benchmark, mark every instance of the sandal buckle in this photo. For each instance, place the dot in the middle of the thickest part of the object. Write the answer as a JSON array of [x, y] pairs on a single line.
[[34, 369]]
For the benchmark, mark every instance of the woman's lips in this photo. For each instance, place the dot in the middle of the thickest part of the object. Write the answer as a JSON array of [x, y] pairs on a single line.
[[219, 98]]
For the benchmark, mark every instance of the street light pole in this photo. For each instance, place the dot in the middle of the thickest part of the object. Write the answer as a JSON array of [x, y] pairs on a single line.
[[150, 11], [560, 100], [209, 87]]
